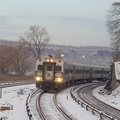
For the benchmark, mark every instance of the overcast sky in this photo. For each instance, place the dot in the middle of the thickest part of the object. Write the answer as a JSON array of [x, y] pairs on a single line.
[[69, 22]]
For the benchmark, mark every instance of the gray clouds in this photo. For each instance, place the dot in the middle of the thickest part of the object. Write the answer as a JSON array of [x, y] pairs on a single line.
[[78, 22]]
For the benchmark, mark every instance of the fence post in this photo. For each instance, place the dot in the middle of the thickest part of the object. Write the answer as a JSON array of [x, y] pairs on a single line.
[[0, 91]]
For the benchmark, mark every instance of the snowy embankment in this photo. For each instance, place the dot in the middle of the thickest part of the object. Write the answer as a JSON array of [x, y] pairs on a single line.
[[113, 99], [16, 97], [73, 109]]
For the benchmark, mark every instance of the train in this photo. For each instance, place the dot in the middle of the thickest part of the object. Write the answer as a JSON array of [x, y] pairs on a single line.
[[55, 74]]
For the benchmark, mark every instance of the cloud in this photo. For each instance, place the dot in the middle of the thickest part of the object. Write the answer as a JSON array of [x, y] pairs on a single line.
[[3, 19], [62, 28], [7, 17], [65, 18]]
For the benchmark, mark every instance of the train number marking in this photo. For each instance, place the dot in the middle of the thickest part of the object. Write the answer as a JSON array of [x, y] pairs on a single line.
[[48, 75]]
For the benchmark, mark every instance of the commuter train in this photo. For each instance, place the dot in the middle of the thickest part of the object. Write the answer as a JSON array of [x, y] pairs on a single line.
[[55, 74]]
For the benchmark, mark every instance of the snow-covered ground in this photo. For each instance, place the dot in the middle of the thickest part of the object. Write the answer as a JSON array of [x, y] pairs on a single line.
[[16, 97], [113, 99], [73, 109]]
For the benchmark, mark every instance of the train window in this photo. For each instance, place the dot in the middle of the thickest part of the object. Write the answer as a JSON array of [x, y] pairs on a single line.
[[86, 71], [78, 71], [58, 68], [66, 71], [106, 72], [71, 71], [40, 67], [98, 72], [49, 68]]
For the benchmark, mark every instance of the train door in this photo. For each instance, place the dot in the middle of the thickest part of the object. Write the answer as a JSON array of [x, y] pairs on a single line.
[[49, 71], [102, 73], [91, 74]]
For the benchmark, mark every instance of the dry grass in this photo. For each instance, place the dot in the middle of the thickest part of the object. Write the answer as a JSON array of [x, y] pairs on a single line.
[[6, 77]]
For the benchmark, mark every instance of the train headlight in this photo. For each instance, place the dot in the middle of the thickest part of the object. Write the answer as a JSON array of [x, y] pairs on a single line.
[[59, 80], [38, 78], [48, 60], [51, 60]]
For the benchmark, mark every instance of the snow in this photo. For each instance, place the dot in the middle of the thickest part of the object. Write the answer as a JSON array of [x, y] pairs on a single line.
[[16, 97], [113, 99], [73, 109], [48, 106]]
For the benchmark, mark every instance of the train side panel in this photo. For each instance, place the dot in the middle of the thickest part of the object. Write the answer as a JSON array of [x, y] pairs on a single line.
[[78, 72], [106, 72], [87, 73], [55, 74], [97, 73], [68, 76]]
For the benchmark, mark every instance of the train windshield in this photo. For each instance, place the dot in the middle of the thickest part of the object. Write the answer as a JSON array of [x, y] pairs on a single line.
[[40, 67], [58, 68], [49, 68]]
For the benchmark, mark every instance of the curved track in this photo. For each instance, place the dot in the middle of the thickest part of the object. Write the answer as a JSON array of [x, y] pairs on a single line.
[[59, 108], [49, 109], [39, 108], [85, 94]]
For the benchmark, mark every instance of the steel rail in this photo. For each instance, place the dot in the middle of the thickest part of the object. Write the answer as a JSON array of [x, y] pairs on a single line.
[[39, 108], [60, 108], [115, 113], [28, 105], [95, 106]]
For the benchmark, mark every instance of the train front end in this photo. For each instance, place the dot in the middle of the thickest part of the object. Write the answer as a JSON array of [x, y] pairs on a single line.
[[49, 74]]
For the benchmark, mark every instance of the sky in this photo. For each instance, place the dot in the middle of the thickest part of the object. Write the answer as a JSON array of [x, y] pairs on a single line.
[[69, 22]]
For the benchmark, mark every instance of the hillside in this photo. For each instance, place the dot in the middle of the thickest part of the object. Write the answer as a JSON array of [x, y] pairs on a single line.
[[89, 55]]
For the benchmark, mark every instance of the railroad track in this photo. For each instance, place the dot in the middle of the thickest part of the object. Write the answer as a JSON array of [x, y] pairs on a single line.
[[60, 109], [49, 109], [83, 95], [39, 108], [31, 104], [33, 107]]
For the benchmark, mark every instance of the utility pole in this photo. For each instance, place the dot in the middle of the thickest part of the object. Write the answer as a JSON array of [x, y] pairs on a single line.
[[0, 91]]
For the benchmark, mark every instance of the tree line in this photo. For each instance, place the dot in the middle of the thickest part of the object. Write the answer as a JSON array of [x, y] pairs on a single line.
[[19, 57]]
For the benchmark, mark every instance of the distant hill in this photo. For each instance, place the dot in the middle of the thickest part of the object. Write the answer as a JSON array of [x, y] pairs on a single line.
[[4, 41], [89, 55]]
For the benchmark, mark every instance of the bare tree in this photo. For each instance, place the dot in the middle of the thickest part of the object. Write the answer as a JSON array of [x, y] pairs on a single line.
[[35, 39], [20, 59], [14, 58], [113, 25], [4, 60]]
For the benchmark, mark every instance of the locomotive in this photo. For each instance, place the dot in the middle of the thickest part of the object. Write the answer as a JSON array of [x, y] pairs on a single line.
[[55, 74]]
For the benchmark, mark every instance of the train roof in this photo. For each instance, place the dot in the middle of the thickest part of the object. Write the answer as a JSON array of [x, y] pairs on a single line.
[[47, 59], [57, 59], [95, 66]]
